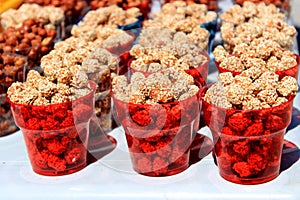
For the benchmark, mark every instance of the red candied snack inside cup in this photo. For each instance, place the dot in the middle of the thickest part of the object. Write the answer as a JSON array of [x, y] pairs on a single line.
[[158, 134], [248, 142], [56, 135]]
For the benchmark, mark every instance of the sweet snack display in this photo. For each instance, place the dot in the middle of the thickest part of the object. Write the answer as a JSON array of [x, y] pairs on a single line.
[[252, 21], [151, 74], [160, 113], [32, 40], [54, 119], [211, 4], [50, 16], [248, 115], [174, 51], [262, 54]]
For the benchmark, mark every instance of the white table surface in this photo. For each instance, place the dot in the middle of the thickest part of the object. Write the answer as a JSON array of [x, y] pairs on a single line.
[[112, 177]]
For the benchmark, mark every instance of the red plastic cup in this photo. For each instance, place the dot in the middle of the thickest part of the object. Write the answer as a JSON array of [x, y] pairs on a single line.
[[56, 135], [248, 143], [198, 73], [293, 71], [159, 135]]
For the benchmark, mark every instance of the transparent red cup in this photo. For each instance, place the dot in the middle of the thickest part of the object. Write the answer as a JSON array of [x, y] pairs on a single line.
[[248, 143], [293, 71], [249, 160], [159, 135], [56, 135], [199, 73]]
